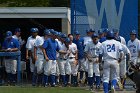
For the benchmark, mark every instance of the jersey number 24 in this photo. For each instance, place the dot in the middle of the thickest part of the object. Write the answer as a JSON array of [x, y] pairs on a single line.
[[111, 48]]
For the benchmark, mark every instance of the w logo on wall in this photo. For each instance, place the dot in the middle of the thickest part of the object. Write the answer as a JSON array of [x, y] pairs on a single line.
[[96, 14]]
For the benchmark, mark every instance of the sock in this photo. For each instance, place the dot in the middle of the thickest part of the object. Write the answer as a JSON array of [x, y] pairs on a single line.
[[52, 79], [45, 79], [97, 80], [105, 87], [90, 81], [114, 82], [63, 79]]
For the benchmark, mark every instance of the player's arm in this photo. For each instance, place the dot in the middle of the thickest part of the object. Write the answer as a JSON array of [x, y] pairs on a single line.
[[45, 55], [121, 56], [44, 46], [101, 51]]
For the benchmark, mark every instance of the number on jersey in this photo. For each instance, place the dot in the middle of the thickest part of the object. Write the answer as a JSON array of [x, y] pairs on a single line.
[[111, 48]]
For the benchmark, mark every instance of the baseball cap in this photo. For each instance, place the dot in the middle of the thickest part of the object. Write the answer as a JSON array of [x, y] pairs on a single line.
[[100, 31], [17, 30], [92, 30], [76, 33], [115, 30], [33, 30], [47, 32], [94, 35], [63, 35], [87, 31], [8, 34]]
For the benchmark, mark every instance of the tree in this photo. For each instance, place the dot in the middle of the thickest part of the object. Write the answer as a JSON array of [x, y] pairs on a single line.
[[35, 3]]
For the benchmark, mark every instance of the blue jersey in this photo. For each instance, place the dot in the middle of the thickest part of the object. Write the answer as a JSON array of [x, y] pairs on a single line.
[[51, 47], [80, 47], [12, 43], [102, 39]]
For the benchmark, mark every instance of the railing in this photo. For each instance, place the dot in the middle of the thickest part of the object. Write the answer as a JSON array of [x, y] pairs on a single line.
[[18, 54]]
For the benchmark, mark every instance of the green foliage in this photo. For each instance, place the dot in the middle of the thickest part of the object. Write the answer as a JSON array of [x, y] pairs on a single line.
[[34, 3]]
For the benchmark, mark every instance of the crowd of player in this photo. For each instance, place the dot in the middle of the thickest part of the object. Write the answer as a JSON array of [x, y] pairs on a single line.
[[56, 58]]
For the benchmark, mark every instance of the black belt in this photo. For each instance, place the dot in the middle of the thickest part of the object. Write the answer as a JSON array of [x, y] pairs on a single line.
[[63, 59], [40, 53]]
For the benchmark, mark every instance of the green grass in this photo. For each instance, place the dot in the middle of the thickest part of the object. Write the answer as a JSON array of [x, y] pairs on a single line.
[[42, 90]]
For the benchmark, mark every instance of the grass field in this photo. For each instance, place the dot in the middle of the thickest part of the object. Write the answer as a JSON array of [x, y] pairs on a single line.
[[29, 89], [42, 90]]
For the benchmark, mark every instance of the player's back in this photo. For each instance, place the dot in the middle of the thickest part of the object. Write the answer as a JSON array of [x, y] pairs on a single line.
[[110, 49]]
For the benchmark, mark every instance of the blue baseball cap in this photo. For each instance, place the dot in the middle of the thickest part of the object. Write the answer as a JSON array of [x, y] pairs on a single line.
[[59, 34], [55, 33], [105, 30], [63, 35], [8, 34], [100, 31], [76, 33], [33, 30], [92, 30], [133, 32], [67, 40], [94, 35], [17, 30], [115, 30], [110, 34], [52, 31], [87, 31], [47, 32]]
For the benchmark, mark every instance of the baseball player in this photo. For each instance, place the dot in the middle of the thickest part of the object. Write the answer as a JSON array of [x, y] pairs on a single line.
[[101, 34], [111, 51], [118, 37], [63, 60], [39, 56], [105, 30], [92, 54], [17, 36], [73, 61], [10, 45], [81, 58], [123, 64], [87, 39], [92, 31], [134, 46], [30, 52], [50, 47]]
